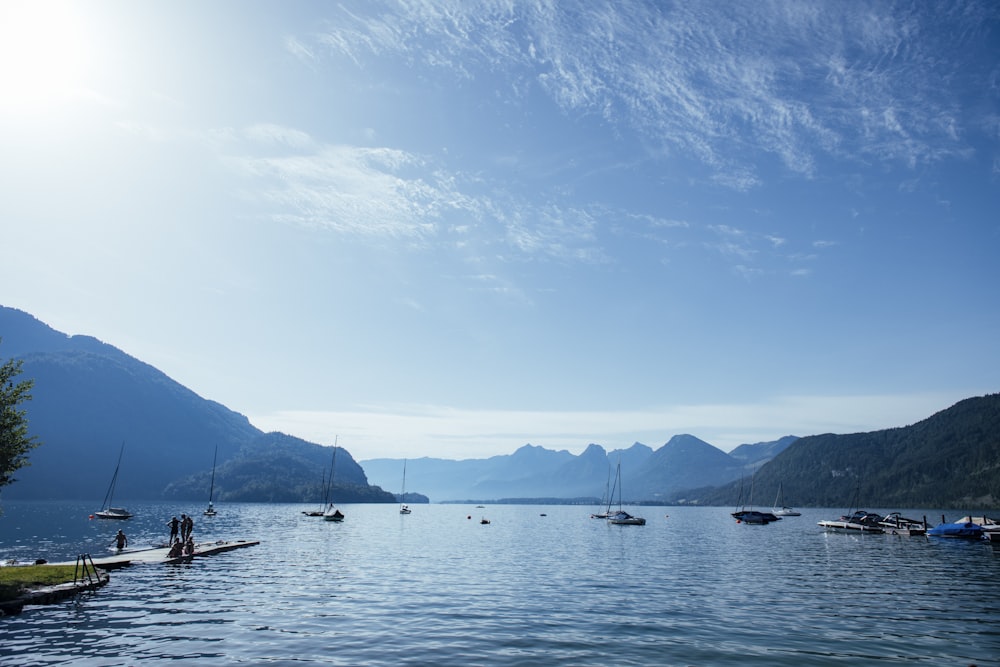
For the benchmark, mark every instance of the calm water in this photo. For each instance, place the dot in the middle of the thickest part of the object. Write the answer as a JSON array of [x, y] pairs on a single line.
[[437, 588]]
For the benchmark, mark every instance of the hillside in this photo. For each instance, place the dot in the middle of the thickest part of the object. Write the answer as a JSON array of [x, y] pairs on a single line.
[[90, 397], [949, 460]]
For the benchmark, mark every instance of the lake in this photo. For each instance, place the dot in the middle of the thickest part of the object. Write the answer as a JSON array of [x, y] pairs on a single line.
[[539, 585]]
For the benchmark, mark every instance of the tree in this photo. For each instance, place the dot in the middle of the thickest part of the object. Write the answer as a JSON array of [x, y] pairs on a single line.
[[15, 443]]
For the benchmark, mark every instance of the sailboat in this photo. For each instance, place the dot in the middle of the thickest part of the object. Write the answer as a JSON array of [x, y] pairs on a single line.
[[210, 510], [780, 509], [107, 511], [621, 517], [752, 516], [605, 499], [403, 507], [332, 513]]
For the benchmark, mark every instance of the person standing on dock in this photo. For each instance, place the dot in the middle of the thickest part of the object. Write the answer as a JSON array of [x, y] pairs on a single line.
[[174, 525], [187, 527]]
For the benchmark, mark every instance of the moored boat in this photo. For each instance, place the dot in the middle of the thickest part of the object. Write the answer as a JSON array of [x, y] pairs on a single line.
[[107, 511], [623, 518], [858, 522], [896, 524], [990, 526], [783, 510], [755, 517], [752, 516], [957, 529]]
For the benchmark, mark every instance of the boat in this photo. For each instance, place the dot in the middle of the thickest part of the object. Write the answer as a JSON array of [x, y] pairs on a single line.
[[755, 517], [107, 511], [780, 509], [752, 516], [403, 507], [605, 500], [859, 521], [896, 524], [960, 529], [332, 513], [991, 527], [327, 485], [621, 517], [210, 510]]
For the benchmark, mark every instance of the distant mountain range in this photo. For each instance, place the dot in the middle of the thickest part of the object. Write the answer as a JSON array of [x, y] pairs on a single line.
[[90, 397], [531, 472]]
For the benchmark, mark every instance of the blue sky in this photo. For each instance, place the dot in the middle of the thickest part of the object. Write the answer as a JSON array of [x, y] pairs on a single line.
[[454, 228]]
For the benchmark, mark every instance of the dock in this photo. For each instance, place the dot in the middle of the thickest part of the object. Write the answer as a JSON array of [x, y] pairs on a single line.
[[92, 579], [161, 554]]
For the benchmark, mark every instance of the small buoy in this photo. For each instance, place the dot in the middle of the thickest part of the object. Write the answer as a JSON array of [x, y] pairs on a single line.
[[469, 517], [91, 516]]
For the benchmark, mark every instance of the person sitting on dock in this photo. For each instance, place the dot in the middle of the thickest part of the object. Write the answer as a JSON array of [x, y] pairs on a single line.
[[176, 549], [120, 540], [189, 546]]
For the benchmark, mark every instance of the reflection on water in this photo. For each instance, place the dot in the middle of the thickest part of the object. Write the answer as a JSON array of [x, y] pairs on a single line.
[[437, 587]]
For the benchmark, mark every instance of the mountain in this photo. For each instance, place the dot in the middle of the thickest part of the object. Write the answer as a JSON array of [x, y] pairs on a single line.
[[951, 460], [90, 397], [684, 462]]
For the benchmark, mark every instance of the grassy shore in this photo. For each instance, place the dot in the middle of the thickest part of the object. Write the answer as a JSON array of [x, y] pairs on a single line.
[[15, 579]]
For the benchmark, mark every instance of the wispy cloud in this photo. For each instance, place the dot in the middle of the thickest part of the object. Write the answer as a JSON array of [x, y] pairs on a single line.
[[794, 81], [390, 193]]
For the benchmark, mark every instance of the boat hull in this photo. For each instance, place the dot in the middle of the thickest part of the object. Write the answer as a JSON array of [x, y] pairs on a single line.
[[850, 527], [753, 517]]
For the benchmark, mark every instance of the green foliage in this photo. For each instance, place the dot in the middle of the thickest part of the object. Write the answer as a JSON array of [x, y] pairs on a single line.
[[13, 580], [15, 443]]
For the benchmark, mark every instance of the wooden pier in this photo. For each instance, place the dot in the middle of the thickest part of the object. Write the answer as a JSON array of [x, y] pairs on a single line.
[[161, 554]]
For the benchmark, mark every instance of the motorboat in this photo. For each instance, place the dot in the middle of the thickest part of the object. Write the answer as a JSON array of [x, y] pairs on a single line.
[[896, 524], [623, 518], [958, 529], [858, 522], [990, 526]]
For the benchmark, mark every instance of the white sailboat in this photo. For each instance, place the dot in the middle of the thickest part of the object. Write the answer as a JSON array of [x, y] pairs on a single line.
[[605, 500], [210, 510], [403, 507], [107, 511], [621, 517], [780, 509]]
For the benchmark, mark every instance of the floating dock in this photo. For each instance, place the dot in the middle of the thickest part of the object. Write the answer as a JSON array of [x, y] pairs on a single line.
[[161, 554]]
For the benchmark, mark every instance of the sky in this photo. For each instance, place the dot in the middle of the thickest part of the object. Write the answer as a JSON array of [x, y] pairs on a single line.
[[453, 228]]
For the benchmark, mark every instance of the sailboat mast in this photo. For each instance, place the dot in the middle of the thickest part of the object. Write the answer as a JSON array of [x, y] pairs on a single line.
[[110, 495], [211, 486]]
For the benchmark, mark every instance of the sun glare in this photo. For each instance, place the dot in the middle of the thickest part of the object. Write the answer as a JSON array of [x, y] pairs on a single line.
[[43, 54]]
